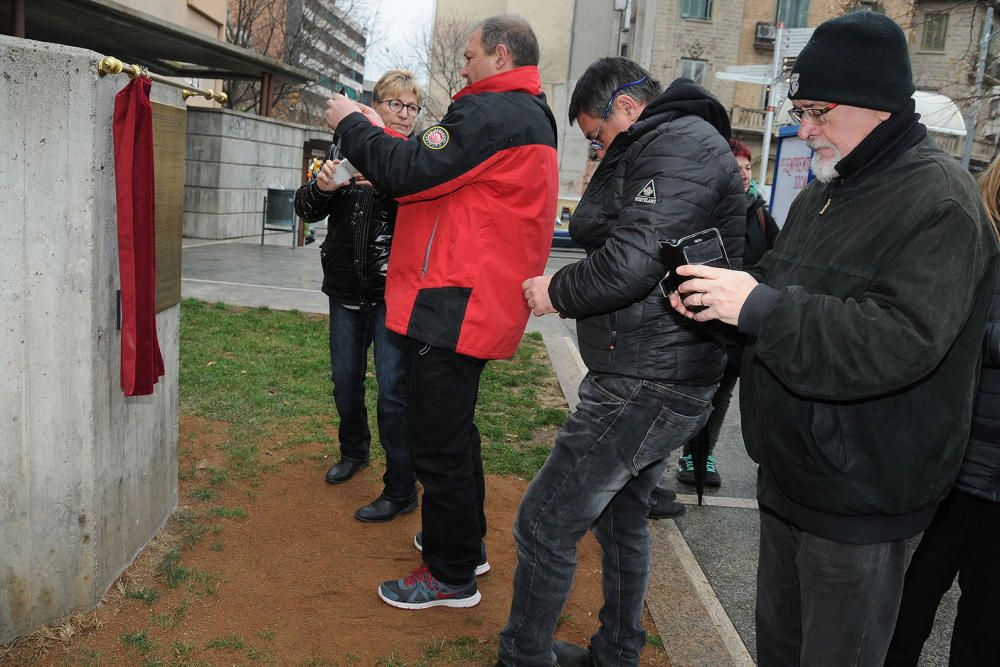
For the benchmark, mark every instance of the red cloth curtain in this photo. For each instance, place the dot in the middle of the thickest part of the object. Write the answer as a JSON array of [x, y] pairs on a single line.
[[142, 363]]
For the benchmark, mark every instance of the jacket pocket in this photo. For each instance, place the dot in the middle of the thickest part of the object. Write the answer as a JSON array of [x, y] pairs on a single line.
[[828, 436], [437, 316]]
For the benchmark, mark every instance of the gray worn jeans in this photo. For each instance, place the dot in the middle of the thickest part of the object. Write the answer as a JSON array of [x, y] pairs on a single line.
[[603, 466], [821, 602]]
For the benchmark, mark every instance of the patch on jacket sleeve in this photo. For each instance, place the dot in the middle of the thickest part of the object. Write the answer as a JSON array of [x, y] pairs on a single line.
[[647, 195], [436, 138]]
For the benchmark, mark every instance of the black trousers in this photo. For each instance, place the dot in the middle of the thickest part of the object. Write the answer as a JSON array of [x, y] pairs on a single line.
[[964, 538], [822, 602], [442, 389]]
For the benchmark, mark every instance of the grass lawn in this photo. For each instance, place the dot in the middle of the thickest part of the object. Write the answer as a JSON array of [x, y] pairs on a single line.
[[263, 371]]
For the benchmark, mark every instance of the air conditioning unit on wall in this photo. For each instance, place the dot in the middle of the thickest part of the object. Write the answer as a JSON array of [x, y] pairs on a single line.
[[764, 34]]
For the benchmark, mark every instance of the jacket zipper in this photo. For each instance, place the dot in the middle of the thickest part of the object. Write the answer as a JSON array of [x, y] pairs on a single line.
[[430, 242], [361, 242], [614, 332]]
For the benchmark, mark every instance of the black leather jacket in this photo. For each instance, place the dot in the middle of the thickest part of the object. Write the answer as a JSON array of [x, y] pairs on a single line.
[[355, 254], [669, 175]]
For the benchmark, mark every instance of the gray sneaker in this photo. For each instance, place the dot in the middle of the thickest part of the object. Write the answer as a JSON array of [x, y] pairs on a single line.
[[421, 590], [482, 567]]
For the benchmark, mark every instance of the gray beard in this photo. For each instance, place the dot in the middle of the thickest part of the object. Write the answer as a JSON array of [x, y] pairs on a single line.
[[823, 168]]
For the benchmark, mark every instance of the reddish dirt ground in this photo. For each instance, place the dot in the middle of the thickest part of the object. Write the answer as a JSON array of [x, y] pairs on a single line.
[[293, 583]]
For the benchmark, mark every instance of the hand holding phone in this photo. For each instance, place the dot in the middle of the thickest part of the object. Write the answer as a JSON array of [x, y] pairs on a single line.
[[344, 172], [704, 247]]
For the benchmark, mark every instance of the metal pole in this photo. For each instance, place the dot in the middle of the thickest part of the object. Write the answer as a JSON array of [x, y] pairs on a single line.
[[984, 45], [265, 94], [765, 149], [17, 19]]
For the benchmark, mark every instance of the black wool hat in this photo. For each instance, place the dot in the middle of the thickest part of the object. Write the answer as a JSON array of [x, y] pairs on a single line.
[[859, 59]]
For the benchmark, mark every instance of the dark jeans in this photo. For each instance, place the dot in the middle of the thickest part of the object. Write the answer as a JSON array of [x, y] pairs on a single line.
[[443, 387], [605, 462], [964, 538], [351, 334], [821, 602]]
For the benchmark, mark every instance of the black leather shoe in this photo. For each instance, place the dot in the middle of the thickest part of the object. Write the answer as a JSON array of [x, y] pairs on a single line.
[[663, 505], [571, 655], [382, 509], [344, 470]]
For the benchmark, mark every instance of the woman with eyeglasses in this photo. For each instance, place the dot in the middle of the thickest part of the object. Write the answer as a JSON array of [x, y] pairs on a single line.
[[761, 230], [355, 257]]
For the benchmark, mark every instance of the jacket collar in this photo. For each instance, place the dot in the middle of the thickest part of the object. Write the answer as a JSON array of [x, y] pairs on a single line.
[[883, 145], [520, 79]]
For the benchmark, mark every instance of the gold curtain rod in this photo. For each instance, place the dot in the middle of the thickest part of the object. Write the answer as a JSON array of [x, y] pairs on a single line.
[[111, 65]]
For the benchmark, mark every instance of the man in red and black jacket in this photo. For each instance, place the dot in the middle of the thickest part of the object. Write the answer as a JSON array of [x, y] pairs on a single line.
[[477, 200]]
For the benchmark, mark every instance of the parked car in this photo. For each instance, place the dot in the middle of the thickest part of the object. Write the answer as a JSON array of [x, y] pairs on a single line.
[[561, 237]]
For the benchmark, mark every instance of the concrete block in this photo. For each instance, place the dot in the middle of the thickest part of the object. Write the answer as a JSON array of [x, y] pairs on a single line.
[[68, 438]]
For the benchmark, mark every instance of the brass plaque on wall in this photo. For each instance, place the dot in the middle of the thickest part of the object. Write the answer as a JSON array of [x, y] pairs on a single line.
[[169, 136]]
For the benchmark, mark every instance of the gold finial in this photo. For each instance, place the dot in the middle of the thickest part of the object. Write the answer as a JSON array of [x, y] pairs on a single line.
[[221, 97], [109, 65]]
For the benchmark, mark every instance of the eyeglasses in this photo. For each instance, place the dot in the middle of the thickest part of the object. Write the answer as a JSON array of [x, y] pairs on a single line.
[[396, 106], [595, 143], [815, 114]]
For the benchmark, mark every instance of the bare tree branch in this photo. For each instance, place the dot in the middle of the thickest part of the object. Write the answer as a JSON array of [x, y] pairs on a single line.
[[440, 53], [281, 29]]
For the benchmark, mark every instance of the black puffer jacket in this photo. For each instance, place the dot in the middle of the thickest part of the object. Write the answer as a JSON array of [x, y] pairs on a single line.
[[669, 175], [980, 471], [355, 254]]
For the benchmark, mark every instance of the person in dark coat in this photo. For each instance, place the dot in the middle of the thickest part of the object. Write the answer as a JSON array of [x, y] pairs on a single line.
[[964, 537], [761, 230], [666, 172], [864, 325], [355, 257]]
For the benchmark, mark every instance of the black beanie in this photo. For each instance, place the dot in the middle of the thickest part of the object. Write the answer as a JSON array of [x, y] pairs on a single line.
[[859, 59]]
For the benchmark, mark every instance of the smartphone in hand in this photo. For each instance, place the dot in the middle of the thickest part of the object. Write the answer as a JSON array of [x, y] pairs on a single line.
[[704, 247], [344, 172]]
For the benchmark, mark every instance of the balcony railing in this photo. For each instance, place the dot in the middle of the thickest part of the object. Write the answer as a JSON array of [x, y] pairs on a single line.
[[750, 120]]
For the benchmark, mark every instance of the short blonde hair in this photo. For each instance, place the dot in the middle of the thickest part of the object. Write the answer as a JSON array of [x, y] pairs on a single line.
[[396, 82]]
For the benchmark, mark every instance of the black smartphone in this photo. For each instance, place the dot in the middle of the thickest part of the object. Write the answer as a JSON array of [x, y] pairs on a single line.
[[704, 247]]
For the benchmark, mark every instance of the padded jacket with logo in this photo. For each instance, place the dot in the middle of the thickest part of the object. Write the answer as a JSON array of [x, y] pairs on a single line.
[[858, 381], [355, 253], [669, 175], [477, 206]]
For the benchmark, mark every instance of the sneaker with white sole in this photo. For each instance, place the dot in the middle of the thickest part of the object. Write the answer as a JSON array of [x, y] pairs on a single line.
[[421, 590], [482, 567]]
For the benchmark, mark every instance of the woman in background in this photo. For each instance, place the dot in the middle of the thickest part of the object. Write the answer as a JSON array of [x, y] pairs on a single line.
[[355, 257], [964, 536], [760, 234]]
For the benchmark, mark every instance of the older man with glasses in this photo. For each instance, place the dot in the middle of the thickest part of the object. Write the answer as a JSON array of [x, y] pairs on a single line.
[[865, 324], [666, 172]]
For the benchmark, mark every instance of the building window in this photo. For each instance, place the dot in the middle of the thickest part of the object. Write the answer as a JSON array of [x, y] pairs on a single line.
[[793, 13], [696, 9], [935, 30], [694, 70]]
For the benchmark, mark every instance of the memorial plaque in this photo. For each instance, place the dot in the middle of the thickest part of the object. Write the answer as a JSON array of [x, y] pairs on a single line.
[[169, 134]]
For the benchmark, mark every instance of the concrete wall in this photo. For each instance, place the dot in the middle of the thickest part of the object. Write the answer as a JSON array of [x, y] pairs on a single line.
[[232, 159], [87, 476]]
